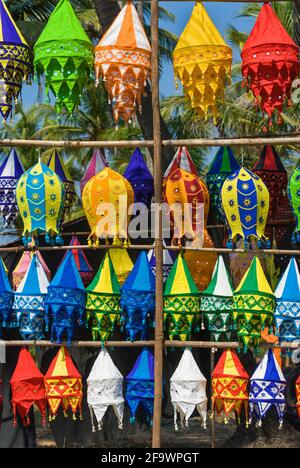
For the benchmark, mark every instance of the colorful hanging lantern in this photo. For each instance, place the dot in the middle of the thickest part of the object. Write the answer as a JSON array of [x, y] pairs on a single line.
[[298, 396], [103, 301], [10, 172], [270, 63], [107, 187], [29, 301], [83, 266], [122, 263], [287, 312], [40, 198], [267, 389], [63, 385], [63, 54], [27, 386], [140, 178], [294, 196], [181, 303], [15, 62], [123, 59], [65, 301], [168, 262], [105, 389], [56, 164], [245, 200], [229, 386], [217, 301], [138, 300], [188, 390], [140, 386], [272, 172], [253, 305], [182, 185], [202, 62], [23, 265], [6, 299], [224, 164], [96, 164]]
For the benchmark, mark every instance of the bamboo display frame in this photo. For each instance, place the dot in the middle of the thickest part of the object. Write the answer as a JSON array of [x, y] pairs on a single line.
[[159, 343]]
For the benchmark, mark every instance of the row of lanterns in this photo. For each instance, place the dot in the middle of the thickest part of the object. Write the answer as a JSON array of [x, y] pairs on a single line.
[[64, 58], [232, 389]]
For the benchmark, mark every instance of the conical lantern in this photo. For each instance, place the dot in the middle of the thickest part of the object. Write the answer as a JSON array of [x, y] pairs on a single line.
[[140, 178], [287, 312], [40, 197], [107, 196], [123, 59], [27, 386], [103, 301], [181, 301], [294, 196], [267, 389], [138, 300], [6, 299], [253, 305], [224, 164], [122, 263], [23, 265], [56, 164], [29, 301], [217, 301], [168, 262], [105, 389], [272, 172], [63, 54], [15, 61], [140, 386], [96, 164], [229, 385], [65, 301], [202, 62], [83, 265], [63, 385], [298, 396], [270, 63], [245, 200], [10, 172], [188, 390]]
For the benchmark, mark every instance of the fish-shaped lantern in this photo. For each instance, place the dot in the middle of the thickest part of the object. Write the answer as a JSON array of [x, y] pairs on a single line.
[[10, 173]]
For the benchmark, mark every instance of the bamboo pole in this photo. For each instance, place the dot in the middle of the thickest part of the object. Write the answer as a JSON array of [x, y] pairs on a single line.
[[159, 332]]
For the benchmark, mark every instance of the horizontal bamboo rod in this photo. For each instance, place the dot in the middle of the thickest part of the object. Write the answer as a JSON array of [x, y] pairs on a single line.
[[244, 141]]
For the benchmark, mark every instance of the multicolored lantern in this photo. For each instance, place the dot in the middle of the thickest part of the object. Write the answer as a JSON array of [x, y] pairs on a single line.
[[181, 301], [15, 62], [63, 385], [65, 301], [6, 299], [27, 386], [83, 266], [253, 305], [104, 189], [294, 196], [29, 301], [245, 200], [202, 62], [40, 198], [168, 262], [23, 265], [140, 178], [138, 300], [270, 63], [229, 386], [224, 164], [123, 59], [96, 164], [56, 164], [63, 54], [10, 172], [267, 389], [188, 390], [217, 301], [298, 396], [105, 389], [122, 262], [103, 301], [272, 172], [140, 386], [287, 312]]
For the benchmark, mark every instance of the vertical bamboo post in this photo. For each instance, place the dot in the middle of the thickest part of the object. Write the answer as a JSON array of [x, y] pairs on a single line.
[[159, 336], [213, 428]]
